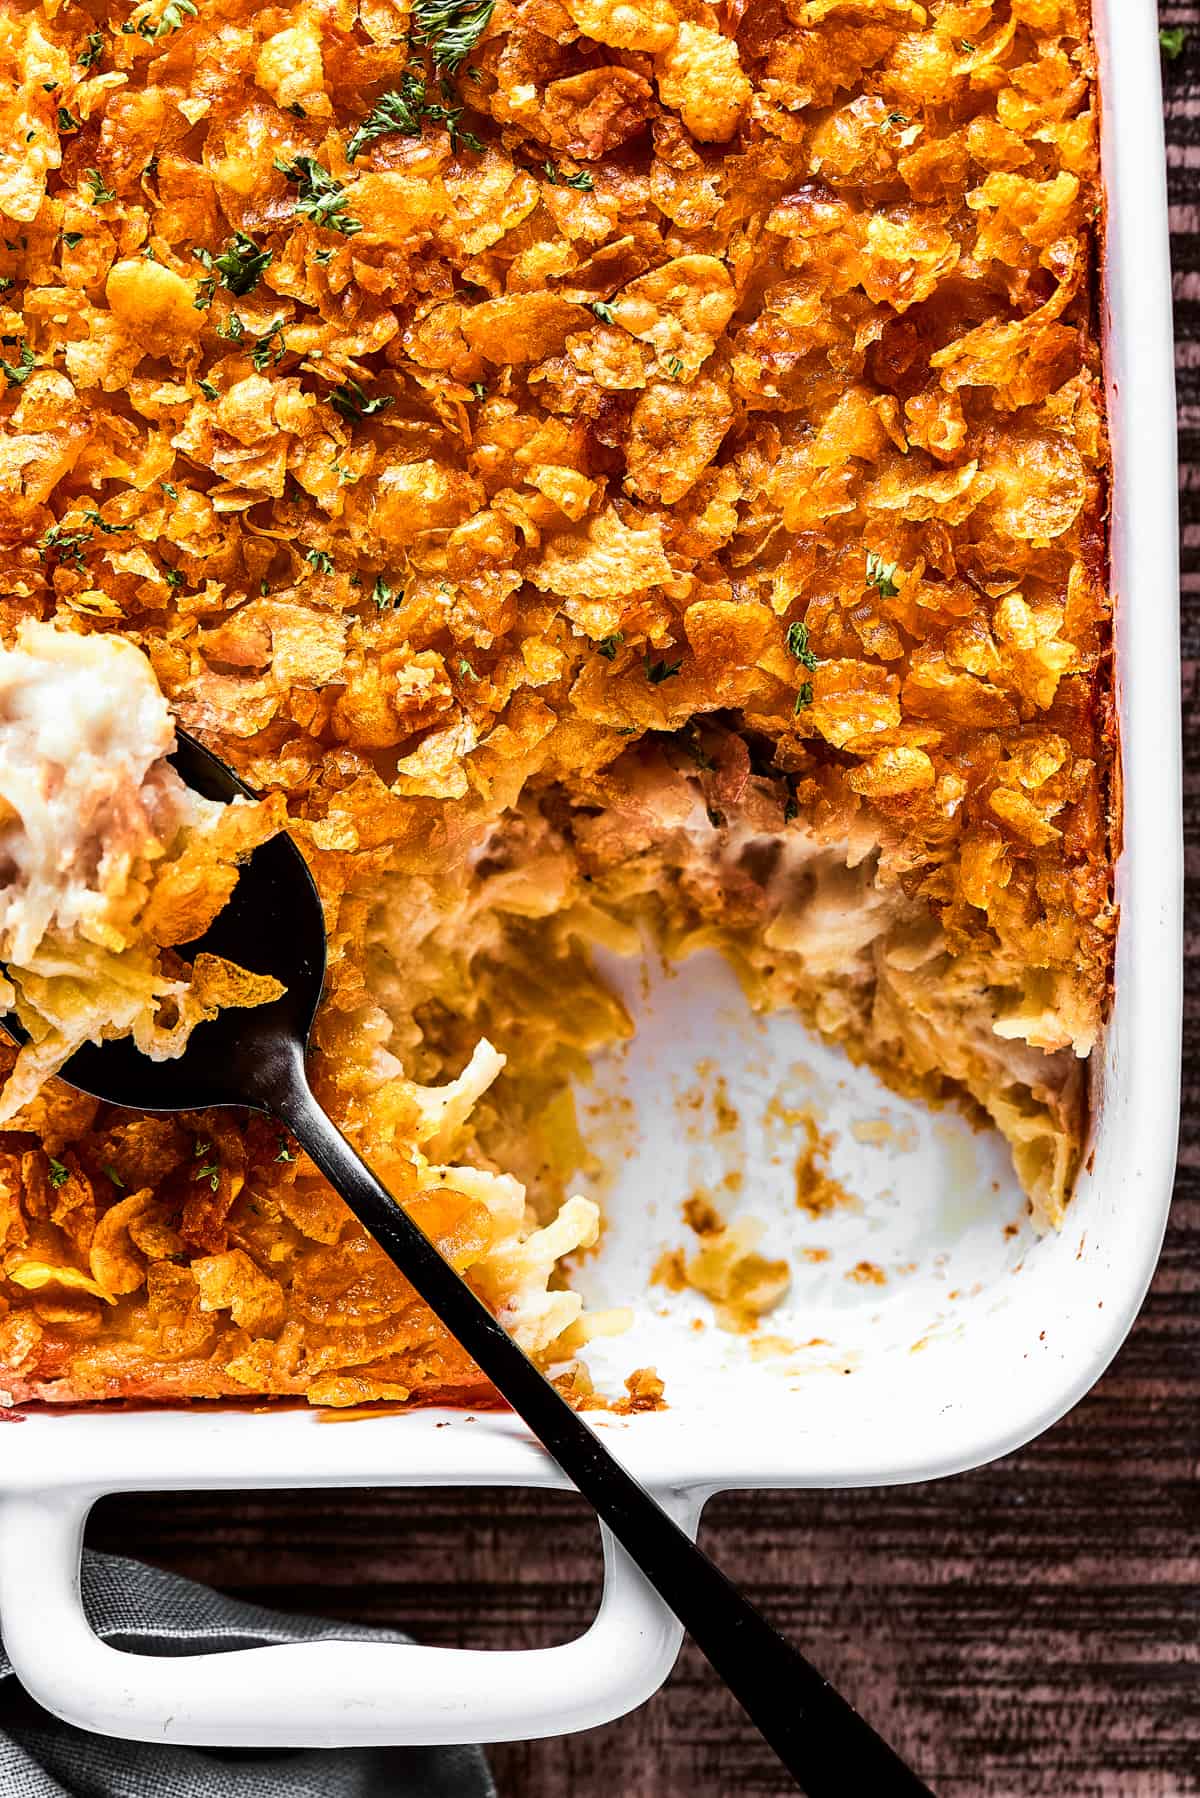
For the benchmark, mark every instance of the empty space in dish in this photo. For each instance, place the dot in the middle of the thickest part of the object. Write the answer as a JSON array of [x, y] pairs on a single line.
[[895, 1219]]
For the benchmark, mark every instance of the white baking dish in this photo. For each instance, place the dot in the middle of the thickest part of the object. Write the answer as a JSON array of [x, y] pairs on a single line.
[[977, 1341]]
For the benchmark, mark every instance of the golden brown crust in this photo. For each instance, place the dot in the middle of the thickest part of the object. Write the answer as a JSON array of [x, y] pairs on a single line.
[[743, 318]]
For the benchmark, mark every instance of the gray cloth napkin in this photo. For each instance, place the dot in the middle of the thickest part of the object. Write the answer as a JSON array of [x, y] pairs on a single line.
[[149, 1612]]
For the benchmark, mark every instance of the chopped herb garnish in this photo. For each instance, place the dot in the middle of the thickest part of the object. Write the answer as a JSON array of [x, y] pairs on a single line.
[[66, 547], [321, 197], [112, 1173], [174, 578], [880, 575], [479, 388], [297, 111], [797, 642], [240, 264], [603, 311], [966, 46], [231, 328], [59, 1173], [72, 239], [67, 120], [110, 530], [208, 390], [6, 281], [657, 672], [285, 1154], [608, 646], [18, 375], [90, 55], [398, 110], [210, 1171], [171, 491], [352, 402], [580, 179], [173, 16], [101, 192], [897, 118], [382, 594], [1172, 40], [320, 559], [804, 697], [792, 809], [322, 256], [450, 29], [270, 348], [674, 367], [465, 669]]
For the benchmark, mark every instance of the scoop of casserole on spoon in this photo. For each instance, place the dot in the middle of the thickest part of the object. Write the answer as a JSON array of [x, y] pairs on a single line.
[[255, 1058]]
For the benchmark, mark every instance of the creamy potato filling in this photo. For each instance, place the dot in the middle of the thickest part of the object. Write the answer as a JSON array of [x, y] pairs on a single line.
[[106, 856]]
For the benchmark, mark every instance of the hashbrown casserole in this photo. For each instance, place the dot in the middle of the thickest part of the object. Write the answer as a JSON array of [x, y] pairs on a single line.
[[613, 466]]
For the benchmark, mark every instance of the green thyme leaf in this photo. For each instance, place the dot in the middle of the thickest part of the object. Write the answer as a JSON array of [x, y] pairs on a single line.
[[93, 50], [113, 1175], [320, 197], [382, 594], [270, 348], [101, 524], [320, 559], [66, 547], [72, 239], [171, 19], [351, 401], [804, 697], [17, 377], [240, 264], [881, 575], [1172, 40], [285, 1154], [101, 192], [657, 672], [231, 328], [608, 646], [797, 642], [399, 110], [67, 120], [59, 1173], [450, 29], [580, 179], [603, 311], [208, 390]]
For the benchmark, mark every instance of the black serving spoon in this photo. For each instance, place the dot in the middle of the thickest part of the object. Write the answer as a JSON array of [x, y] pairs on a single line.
[[255, 1059]]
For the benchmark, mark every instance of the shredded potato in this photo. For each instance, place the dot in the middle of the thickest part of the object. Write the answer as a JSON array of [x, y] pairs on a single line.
[[604, 464]]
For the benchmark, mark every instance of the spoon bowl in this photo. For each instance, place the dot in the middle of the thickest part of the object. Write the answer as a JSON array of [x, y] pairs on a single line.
[[273, 924]]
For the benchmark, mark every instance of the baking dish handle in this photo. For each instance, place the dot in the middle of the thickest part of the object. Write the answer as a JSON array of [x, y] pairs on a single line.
[[319, 1694]]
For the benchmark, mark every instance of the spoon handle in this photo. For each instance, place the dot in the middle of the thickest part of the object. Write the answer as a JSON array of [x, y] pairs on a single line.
[[825, 1745]]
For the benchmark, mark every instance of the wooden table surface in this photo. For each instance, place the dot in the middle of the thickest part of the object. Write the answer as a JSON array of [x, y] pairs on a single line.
[[1029, 1631]]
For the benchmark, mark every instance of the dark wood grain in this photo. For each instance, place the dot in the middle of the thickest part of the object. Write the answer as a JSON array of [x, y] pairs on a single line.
[[1028, 1631]]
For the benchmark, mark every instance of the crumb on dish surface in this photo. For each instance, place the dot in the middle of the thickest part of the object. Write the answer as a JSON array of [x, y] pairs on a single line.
[[610, 469]]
